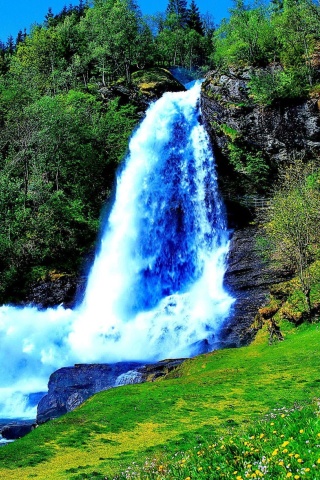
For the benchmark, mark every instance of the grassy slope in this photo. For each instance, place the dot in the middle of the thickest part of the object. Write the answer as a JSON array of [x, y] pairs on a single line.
[[211, 393]]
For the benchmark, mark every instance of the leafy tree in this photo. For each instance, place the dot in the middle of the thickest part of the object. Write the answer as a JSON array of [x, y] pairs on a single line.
[[293, 225], [247, 38]]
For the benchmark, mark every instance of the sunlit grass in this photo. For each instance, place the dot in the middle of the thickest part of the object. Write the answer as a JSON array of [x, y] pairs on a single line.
[[210, 399], [286, 444]]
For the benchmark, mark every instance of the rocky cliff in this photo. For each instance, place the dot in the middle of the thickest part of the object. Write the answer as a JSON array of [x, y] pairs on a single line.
[[281, 132], [244, 132]]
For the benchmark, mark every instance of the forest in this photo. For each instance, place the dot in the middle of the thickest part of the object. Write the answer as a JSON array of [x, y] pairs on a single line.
[[61, 140]]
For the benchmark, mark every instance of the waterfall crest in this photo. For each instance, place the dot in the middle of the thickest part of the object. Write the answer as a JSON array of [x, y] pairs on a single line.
[[155, 289]]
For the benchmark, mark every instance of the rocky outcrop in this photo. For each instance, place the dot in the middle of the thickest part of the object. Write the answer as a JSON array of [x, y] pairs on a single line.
[[56, 290], [276, 134], [248, 280], [281, 132], [69, 387], [147, 86]]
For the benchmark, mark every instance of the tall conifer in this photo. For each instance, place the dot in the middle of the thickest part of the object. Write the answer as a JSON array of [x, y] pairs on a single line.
[[194, 19], [179, 8]]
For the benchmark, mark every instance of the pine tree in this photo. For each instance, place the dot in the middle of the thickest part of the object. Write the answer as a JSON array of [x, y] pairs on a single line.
[[194, 19], [10, 45], [178, 8], [49, 18], [276, 6]]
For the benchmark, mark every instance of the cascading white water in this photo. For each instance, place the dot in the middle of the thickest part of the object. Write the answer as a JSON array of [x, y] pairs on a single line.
[[156, 287]]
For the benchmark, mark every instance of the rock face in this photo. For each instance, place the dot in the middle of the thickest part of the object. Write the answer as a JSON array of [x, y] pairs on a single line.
[[51, 292], [248, 279], [282, 132], [71, 386], [277, 133]]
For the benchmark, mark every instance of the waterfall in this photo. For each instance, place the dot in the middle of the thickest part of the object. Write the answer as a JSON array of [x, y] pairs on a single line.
[[155, 289]]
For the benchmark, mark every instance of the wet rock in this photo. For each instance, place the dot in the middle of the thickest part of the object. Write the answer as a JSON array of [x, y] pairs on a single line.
[[56, 290], [13, 431], [248, 279]]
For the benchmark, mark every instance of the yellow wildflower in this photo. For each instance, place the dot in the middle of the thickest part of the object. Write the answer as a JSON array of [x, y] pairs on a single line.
[[283, 415], [297, 477], [274, 431], [318, 461], [239, 478], [199, 469], [285, 443], [272, 423], [300, 460], [289, 474], [318, 435], [285, 450], [275, 452], [188, 478], [281, 463], [300, 431], [297, 455], [261, 435], [307, 469]]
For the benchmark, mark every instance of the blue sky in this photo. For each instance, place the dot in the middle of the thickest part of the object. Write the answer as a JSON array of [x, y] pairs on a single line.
[[20, 14]]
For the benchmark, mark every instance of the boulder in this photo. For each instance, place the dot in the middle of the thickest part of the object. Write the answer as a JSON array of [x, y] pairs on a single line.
[[146, 86], [13, 431], [69, 387]]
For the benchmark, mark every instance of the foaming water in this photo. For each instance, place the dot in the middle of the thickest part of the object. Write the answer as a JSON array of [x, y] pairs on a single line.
[[156, 286]]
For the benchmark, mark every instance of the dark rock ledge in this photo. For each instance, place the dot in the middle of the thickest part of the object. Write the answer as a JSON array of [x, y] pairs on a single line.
[[69, 387]]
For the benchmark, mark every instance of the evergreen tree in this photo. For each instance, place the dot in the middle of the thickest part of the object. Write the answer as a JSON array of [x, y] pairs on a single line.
[[10, 45], [194, 19], [178, 8], [20, 37], [49, 18], [276, 6]]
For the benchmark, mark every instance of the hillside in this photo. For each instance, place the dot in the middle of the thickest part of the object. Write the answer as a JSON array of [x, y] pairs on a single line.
[[208, 396]]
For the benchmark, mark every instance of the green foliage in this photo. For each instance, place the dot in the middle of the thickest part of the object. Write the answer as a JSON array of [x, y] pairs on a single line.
[[57, 172], [246, 39], [293, 224], [283, 34], [266, 87], [249, 163]]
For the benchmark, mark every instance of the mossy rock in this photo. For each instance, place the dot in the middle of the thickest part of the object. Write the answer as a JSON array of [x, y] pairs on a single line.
[[154, 82]]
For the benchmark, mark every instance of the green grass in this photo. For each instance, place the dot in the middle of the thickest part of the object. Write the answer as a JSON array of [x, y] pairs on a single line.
[[274, 448], [211, 396]]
